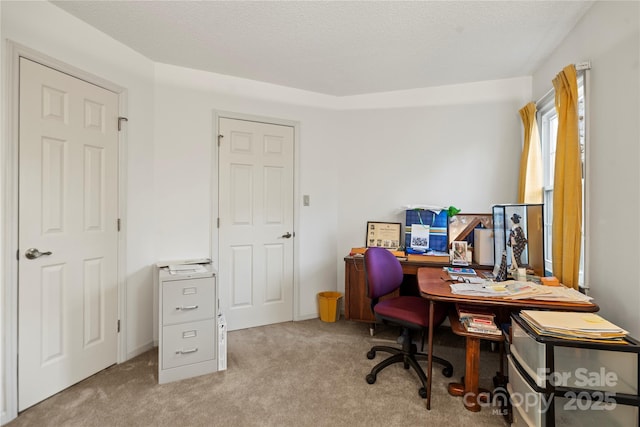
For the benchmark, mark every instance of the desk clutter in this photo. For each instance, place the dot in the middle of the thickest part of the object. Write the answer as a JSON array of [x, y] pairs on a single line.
[[469, 282], [534, 358], [509, 238]]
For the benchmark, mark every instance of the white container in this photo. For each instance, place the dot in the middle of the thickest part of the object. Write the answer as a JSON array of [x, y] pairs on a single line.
[[583, 412], [525, 399], [578, 409], [483, 246], [518, 418], [580, 367]]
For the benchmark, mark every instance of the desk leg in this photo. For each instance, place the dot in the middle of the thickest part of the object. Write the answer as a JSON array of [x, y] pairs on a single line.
[[430, 353], [469, 390], [472, 374]]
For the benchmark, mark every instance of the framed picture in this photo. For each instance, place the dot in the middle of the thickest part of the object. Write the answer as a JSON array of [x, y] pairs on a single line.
[[459, 253], [383, 235], [461, 226]]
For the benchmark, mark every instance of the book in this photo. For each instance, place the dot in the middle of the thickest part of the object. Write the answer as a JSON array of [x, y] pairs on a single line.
[[481, 322], [481, 329], [477, 319], [460, 271], [465, 311]]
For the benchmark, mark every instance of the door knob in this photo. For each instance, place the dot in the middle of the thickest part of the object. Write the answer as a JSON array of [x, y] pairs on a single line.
[[286, 236], [33, 253]]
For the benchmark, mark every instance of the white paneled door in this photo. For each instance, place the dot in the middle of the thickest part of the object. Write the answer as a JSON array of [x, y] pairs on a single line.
[[67, 265], [256, 163]]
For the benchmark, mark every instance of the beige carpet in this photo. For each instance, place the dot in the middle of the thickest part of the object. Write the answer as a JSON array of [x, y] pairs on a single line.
[[307, 373]]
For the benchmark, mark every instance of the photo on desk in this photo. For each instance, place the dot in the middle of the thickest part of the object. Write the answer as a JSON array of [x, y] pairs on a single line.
[[459, 253]]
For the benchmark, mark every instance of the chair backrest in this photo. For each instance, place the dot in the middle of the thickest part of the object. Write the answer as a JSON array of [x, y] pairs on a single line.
[[383, 272]]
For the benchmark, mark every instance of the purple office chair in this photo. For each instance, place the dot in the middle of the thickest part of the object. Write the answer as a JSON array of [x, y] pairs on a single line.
[[384, 275]]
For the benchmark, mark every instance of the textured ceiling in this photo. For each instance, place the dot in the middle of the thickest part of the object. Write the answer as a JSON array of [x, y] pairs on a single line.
[[341, 47]]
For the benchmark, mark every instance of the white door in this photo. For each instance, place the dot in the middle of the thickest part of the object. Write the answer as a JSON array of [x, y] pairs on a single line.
[[67, 309], [256, 222]]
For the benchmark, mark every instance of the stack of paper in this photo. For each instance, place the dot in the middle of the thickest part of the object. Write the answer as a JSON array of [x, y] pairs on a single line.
[[562, 293], [573, 325], [186, 268], [485, 288], [511, 289]]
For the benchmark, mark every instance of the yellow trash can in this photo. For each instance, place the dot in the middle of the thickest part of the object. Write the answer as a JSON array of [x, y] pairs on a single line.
[[328, 302]]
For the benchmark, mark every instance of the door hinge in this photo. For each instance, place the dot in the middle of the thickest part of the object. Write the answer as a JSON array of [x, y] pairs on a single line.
[[218, 222], [120, 120], [118, 325], [18, 255], [119, 224], [220, 139]]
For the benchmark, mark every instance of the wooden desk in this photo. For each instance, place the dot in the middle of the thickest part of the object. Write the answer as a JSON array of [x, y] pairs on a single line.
[[357, 306], [472, 363], [434, 288]]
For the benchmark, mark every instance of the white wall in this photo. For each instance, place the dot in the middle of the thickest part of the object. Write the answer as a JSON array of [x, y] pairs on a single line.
[[464, 154], [38, 25], [184, 114], [4, 343], [45, 28], [456, 145], [608, 35]]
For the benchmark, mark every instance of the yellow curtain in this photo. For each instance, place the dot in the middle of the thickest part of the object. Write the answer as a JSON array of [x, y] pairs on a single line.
[[530, 185], [567, 185]]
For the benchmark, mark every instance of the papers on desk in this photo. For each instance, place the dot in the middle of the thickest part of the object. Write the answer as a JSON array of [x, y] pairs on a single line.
[[512, 289], [482, 289], [487, 288], [553, 293]]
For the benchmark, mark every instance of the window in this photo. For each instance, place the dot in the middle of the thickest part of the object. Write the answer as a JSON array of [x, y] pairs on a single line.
[[548, 124]]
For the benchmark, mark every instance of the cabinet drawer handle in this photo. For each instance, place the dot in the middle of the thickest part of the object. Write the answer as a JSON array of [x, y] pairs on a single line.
[[186, 308], [192, 350]]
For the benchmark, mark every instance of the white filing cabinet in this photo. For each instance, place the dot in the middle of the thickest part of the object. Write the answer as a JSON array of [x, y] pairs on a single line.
[[187, 328]]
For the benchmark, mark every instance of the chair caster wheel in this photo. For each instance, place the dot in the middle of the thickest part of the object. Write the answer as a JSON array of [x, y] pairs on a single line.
[[422, 392], [370, 355], [447, 372], [371, 378]]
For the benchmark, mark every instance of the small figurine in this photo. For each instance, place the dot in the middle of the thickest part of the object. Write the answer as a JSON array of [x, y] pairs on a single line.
[[501, 276], [517, 241]]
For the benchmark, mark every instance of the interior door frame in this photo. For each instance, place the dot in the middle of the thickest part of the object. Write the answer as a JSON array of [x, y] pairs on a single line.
[[9, 160], [215, 212]]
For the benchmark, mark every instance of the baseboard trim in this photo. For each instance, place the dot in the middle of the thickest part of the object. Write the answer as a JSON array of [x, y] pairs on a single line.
[[138, 351]]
